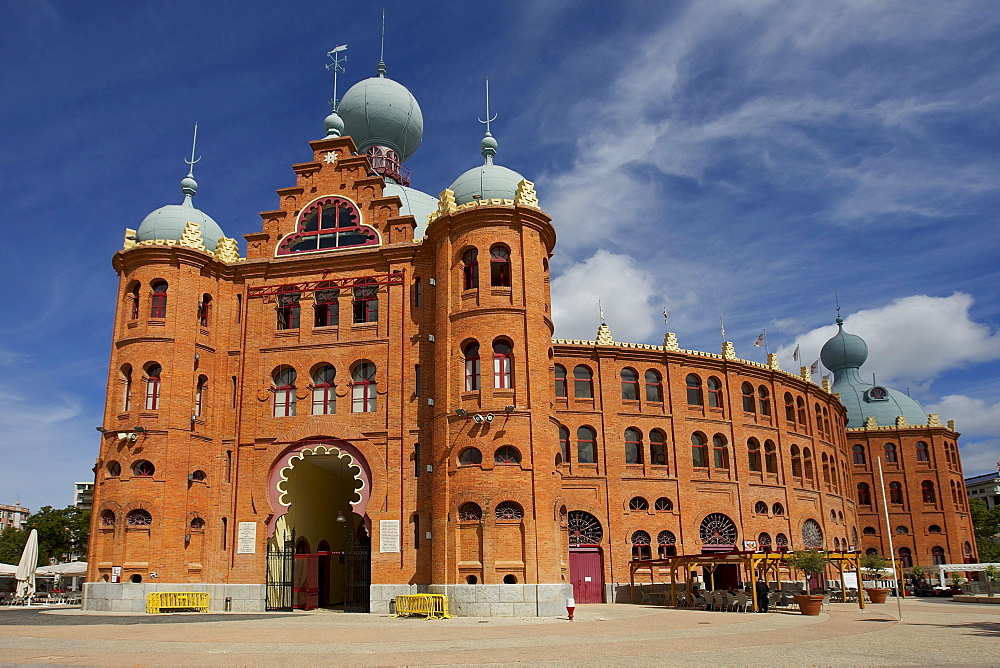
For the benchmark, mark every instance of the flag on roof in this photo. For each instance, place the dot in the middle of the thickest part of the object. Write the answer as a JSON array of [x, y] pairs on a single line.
[[760, 341], [795, 354]]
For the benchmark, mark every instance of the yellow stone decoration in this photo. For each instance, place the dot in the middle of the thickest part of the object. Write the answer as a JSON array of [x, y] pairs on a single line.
[[728, 350], [446, 205], [804, 373], [901, 421], [670, 342], [129, 239], [227, 250], [933, 420], [191, 237], [869, 421], [772, 361], [951, 425], [604, 336], [826, 385], [525, 194]]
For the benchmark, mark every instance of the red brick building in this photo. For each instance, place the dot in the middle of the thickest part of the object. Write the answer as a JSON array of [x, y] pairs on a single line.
[[375, 388]]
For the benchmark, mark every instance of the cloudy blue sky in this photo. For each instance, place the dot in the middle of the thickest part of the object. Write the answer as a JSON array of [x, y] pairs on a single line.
[[746, 160]]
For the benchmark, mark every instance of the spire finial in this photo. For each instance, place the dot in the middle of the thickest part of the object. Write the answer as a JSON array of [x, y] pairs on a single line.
[[840, 321], [600, 307], [333, 123], [488, 146], [188, 185], [381, 49]]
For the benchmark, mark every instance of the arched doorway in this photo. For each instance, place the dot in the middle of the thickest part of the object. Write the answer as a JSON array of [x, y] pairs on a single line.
[[586, 567], [320, 490], [718, 534]]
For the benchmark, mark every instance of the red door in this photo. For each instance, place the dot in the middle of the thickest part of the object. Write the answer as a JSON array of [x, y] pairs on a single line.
[[305, 589], [587, 574]]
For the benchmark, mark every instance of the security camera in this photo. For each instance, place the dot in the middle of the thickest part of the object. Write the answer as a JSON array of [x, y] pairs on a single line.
[[122, 435], [478, 418], [489, 417], [133, 437]]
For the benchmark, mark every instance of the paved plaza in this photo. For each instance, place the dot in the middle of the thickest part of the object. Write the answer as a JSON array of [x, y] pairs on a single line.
[[933, 632]]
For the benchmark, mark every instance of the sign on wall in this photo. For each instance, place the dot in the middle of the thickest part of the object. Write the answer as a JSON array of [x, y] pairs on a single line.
[[388, 536], [246, 538]]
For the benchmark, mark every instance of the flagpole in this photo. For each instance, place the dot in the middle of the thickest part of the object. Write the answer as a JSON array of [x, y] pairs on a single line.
[[888, 531]]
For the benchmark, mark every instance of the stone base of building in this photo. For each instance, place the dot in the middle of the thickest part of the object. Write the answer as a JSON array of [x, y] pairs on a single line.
[[505, 600], [131, 597]]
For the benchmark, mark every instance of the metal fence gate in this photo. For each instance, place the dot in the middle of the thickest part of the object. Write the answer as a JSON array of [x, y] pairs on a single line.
[[280, 572], [357, 574]]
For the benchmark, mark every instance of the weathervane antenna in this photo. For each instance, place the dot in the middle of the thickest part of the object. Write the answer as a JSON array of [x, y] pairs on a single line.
[[194, 142], [601, 309], [488, 119], [381, 49], [336, 66], [837, 298]]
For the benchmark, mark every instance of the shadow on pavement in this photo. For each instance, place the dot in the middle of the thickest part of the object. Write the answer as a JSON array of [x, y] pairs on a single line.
[[28, 617]]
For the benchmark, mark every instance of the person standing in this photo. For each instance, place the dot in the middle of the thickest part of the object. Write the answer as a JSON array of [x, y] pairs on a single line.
[[762, 592]]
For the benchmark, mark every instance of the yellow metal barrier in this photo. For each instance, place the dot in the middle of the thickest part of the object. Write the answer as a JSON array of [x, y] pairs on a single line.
[[432, 606], [159, 601]]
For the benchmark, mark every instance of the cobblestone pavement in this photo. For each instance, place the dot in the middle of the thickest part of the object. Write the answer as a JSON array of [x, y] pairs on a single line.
[[933, 632]]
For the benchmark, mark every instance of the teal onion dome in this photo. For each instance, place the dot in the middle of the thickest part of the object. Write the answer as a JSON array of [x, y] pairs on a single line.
[[334, 125], [418, 204], [844, 354], [168, 222], [382, 112], [488, 181]]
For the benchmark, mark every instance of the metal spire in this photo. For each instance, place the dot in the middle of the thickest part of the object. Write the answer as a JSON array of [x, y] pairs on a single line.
[[192, 161], [188, 185], [488, 146], [381, 49], [336, 66], [601, 308], [488, 119]]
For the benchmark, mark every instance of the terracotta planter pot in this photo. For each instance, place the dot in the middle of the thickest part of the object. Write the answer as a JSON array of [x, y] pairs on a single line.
[[809, 604], [877, 595]]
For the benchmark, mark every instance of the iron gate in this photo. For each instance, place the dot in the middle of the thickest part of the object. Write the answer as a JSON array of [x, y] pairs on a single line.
[[357, 573], [280, 571]]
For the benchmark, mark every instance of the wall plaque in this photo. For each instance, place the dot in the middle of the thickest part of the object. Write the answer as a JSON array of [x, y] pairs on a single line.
[[246, 538], [388, 536]]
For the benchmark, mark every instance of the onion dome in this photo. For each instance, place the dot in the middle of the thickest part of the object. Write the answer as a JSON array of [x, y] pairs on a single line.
[[333, 124], [167, 223], [418, 204], [844, 354], [488, 181], [381, 112]]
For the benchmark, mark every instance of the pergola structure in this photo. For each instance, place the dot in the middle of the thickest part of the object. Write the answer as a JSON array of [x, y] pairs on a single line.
[[762, 563]]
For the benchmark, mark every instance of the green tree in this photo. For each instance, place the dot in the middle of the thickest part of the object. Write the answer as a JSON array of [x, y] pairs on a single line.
[[986, 524], [61, 532], [12, 545]]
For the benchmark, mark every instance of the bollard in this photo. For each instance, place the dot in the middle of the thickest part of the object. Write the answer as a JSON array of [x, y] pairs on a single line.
[[570, 607], [229, 604]]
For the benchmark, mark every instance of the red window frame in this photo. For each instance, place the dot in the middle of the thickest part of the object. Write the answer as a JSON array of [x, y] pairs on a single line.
[[324, 398], [284, 391], [503, 365], [586, 438], [764, 400], [657, 448], [720, 452], [583, 382], [630, 384], [714, 386], [326, 310], [789, 408], [153, 372], [500, 267], [633, 446], [895, 493], [365, 301], [796, 462], [158, 300], [890, 454], [288, 310], [927, 492], [561, 386], [470, 269], [363, 388], [507, 454], [922, 454], [770, 456], [473, 376], [800, 408], [858, 453], [199, 395], [654, 386], [754, 460], [748, 397], [694, 392], [699, 450], [134, 298], [318, 231], [564, 443], [127, 390], [864, 494], [205, 310]]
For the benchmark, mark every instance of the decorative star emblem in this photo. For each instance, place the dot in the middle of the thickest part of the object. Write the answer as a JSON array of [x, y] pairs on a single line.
[[330, 157]]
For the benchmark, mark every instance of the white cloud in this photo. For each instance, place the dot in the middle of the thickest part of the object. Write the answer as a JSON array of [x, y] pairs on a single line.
[[627, 293], [979, 423], [911, 341]]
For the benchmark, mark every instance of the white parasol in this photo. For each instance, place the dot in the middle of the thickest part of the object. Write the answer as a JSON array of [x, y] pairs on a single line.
[[25, 574], [73, 568], [8, 569]]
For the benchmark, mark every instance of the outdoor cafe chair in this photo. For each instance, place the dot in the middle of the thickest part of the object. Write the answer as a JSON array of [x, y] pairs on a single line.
[[742, 600], [729, 600]]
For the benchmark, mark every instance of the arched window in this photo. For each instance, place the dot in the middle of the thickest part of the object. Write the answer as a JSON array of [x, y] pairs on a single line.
[[153, 371], [796, 462], [284, 391], [564, 443], [363, 388], [748, 399], [760, 508], [654, 386], [922, 454], [288, 310], [114, 469], [902, 529], [199, 395], [507, 454], [859, 454], [717, 529], [905, 557], [954, 494], [868, 531], [720, 453], [583, 382], [781, 542], [896, 493], [638, 503], [753, 455], [890, 453], [836, 544], [641, 546], [197, 524], [630, 384], [833, 515], [324, 398], [633, 446], [329, 223], [934, 528], [764, 540], [198, 475], [967, 552], [826, 471], [126, 377], [509, 510], [699, 450], [470, 457], [143, 468], [472, 362], [800, 408], [560, 378], [365, 301], [864, 494], [663, 504], [584, 528], [133, 298], [204, 310], [694, 395], [764, 400], [158, 300], [500, 267], [502, 364], [657, 447], [777, 509], [666, 544], [470, 512], [586, 445], [812, 535], [714, 392], [108, 519], [807, 464], [770, 456], [789, 407], [138, 518], [927, 492], [854, 537], [326, 309], [826, 422], [470, 269]]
